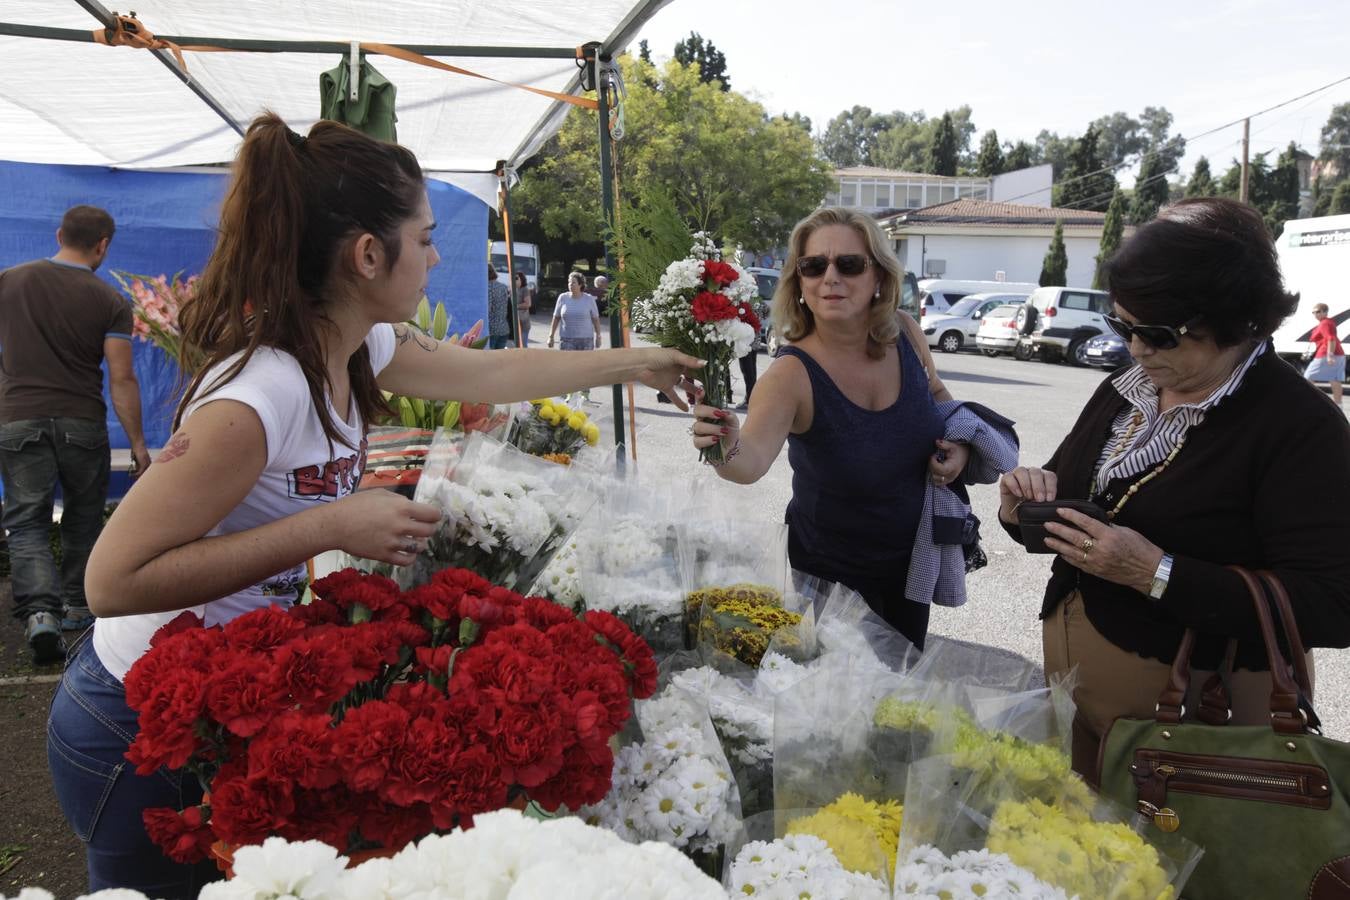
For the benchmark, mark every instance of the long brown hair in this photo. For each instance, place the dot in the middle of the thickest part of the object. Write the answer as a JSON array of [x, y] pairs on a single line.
[[293, 203]]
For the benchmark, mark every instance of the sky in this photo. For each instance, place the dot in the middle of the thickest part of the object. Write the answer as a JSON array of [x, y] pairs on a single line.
[[1039, 64]]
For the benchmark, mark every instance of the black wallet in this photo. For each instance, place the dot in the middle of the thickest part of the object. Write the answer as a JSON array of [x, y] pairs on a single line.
[[1033, 514]]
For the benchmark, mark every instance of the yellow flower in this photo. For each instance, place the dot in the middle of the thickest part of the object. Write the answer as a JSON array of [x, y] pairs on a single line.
[[551, 417], [540, 402], [562, 409], [591, 432], [862, 833], [576, 420]]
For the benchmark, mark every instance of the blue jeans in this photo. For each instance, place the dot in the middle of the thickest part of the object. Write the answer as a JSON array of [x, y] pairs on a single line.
[[36, 455], [89, 730], [498, 341]]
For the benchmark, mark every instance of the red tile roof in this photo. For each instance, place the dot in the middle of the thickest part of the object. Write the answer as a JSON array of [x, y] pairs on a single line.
[[984, 212]]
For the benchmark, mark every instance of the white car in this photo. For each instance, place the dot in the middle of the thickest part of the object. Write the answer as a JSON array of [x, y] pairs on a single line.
[[1062, 320], [998, 330], [957, 327]]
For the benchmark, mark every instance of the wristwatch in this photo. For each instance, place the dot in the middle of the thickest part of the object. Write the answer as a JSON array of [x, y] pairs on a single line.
[[1160, 577]]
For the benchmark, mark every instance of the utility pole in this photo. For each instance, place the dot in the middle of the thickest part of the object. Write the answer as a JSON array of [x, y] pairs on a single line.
[[1246, 140]]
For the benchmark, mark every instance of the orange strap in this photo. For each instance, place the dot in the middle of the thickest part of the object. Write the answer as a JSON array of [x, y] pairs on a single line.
[[127, 31], [409, 56]]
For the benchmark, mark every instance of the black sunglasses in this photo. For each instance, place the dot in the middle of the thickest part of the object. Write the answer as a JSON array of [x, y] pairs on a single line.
[[1159, 337], [848, 265]]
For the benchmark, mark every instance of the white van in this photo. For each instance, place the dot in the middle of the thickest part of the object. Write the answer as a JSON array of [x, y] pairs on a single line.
[[1315, 262], [936, 295], [526, 260]]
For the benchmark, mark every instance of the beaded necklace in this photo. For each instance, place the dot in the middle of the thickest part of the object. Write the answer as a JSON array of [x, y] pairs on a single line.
[[1124, 444]]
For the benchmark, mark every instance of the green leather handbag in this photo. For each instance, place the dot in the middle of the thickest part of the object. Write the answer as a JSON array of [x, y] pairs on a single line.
[[1267, 803]]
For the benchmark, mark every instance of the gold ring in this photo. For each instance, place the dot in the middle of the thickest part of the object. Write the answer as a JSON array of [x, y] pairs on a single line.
[[1084, 556], [1087, 545]]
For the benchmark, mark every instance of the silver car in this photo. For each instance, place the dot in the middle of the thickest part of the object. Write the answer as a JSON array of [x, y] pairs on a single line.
[[957, 327]]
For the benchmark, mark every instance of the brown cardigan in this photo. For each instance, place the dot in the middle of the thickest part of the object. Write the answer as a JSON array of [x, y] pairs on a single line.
[[1262, 482]]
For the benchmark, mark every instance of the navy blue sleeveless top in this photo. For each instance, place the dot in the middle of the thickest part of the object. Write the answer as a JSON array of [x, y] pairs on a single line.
[[858, 479]]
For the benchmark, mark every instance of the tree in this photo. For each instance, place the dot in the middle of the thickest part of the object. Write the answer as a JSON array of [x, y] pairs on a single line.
[[1340, 198], [1336, 141], [1085, 185], [850, 137], [730, 169], [1055, 150], [1055, 269], [1150, 190], [904, 143], [990, 160], [1112, 231], [1201, 183], [1020, 156], [801, 121], [644, 52], [712, 65], [1119, 136], [1282, 203], [942, 149]]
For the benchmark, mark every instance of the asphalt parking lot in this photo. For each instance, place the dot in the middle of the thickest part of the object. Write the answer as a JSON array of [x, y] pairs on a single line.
[[1044, 399]]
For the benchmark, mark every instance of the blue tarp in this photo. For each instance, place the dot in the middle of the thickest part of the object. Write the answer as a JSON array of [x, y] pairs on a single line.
[[165, 224]]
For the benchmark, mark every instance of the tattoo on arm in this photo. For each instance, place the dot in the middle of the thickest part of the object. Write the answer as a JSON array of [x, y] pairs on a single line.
[[404, 333], [178, 445]]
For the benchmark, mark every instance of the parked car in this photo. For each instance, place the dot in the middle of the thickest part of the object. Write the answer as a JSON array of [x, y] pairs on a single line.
[[1106, 351], [936, 295], [998, 333], [1061, 320], [957, 327]]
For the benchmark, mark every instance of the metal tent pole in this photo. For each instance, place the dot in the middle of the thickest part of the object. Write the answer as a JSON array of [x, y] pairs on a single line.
[[600, 63]]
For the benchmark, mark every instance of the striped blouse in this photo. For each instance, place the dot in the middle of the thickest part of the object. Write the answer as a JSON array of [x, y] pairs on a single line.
[[1161, 432]]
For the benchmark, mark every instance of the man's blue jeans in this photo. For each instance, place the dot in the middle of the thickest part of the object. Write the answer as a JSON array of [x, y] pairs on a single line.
[[36, 455]]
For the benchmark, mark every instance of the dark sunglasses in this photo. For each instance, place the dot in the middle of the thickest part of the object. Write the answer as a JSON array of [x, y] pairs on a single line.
[[1159, 337], [848, 265]]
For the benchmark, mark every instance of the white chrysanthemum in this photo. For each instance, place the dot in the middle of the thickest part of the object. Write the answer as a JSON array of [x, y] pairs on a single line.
[[368, 881], [105, 894], [304, 870]]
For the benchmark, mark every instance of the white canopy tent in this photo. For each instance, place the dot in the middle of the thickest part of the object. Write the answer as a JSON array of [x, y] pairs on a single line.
[[86, 104]]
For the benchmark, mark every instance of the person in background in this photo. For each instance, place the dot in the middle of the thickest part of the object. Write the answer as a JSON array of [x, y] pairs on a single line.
[[499, 311], [1206, 453], [524, 306], [58, 323], [854, 396], [323, 251], [1328, 361], [579, 319]]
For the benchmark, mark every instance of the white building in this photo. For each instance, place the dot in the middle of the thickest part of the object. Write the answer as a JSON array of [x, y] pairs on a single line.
[[987, 241], [875, 191]]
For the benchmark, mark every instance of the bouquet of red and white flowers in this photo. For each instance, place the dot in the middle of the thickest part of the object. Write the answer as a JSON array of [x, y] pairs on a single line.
[[374, 716], [704, 307]]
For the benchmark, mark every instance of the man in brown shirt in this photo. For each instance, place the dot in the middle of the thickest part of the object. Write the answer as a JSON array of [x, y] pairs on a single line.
[[58, 322]]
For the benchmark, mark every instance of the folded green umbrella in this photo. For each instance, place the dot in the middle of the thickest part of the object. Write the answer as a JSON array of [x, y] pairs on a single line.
[[371, 112]]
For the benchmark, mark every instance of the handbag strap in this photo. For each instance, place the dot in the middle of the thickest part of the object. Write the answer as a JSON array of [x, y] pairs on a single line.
[[1286, 714], [1302, 677]]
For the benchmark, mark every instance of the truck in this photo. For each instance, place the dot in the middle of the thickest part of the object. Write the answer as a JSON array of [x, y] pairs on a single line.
[[1315, 261], [526, 260]]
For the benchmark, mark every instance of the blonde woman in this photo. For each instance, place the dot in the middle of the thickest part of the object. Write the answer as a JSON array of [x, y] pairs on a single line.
[[853, 396]]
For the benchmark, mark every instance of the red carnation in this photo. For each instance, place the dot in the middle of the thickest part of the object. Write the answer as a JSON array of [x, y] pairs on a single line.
[[245, 811], [315, 670], [296, 747], [182, 622], [327, 815], [366, 740], [710, 307], [168, 723], [243, 698], [543, 613], [391, 826], [721, 273], [262, 629], [416, 769], [184, 837], [440, 600], [474, 784], [582, 780], [748, 316]]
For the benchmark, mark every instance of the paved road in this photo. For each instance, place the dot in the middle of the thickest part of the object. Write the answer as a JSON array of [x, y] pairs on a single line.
[[1005, 596]]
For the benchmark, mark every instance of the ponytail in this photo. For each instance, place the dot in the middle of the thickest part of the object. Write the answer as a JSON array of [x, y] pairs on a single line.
[[293, 204]]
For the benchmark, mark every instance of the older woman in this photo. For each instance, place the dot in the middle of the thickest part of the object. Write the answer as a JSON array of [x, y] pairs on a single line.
[[854, 400], [1199, 456], [1328, 359]]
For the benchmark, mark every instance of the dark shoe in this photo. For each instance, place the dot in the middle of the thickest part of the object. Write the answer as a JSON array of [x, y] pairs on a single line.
[[662, 398], [44, 638], [77, 618]]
